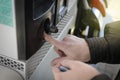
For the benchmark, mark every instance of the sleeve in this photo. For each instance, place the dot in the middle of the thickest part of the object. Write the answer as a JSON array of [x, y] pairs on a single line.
[[106, 49], [101, 77]]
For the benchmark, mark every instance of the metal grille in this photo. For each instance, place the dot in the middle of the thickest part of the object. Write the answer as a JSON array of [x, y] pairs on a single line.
[[9, 74], [13, 64]]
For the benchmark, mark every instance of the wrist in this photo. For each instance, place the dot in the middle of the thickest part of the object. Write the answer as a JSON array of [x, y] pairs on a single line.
[[87, 51]]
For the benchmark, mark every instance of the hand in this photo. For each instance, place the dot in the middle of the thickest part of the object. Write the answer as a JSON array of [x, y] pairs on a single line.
[[77, 71], [71, 47]]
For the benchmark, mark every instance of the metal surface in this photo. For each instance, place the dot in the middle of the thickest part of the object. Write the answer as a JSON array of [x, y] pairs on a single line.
[[13, 64], [9, 74]]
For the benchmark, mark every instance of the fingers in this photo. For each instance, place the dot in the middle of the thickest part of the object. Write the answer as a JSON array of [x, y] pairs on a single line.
[[55, 66], [68, 63], [55, 69], [67, 38], [56, 72], [57, 61], [60, 53], [57, 43]]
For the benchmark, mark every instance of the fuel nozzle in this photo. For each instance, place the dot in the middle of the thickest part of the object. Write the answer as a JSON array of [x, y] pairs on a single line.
[[53, 29], [49, 27]]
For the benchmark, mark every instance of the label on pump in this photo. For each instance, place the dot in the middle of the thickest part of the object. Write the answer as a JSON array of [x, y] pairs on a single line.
[[6, 13]]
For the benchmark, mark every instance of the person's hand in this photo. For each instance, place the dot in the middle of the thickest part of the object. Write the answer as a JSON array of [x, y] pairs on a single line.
[[77, 71], [71, 47]]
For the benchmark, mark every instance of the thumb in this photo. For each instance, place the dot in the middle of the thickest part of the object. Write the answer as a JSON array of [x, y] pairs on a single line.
[[57, 43]]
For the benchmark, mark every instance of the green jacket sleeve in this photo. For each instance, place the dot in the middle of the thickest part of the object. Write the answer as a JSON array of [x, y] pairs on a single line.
[[106, 49]]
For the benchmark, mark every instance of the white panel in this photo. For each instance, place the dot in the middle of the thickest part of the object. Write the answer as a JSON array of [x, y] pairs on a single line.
[[8, 41]]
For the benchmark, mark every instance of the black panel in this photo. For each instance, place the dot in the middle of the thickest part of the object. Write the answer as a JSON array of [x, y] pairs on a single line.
[[33, 17], [36, 11]]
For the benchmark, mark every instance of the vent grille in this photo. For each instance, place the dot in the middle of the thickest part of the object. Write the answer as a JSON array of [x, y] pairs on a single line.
[[13, 64]]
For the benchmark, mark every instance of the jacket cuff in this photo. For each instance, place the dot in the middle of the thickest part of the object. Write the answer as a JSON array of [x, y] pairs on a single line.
[[101, 77], [98, 49]]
